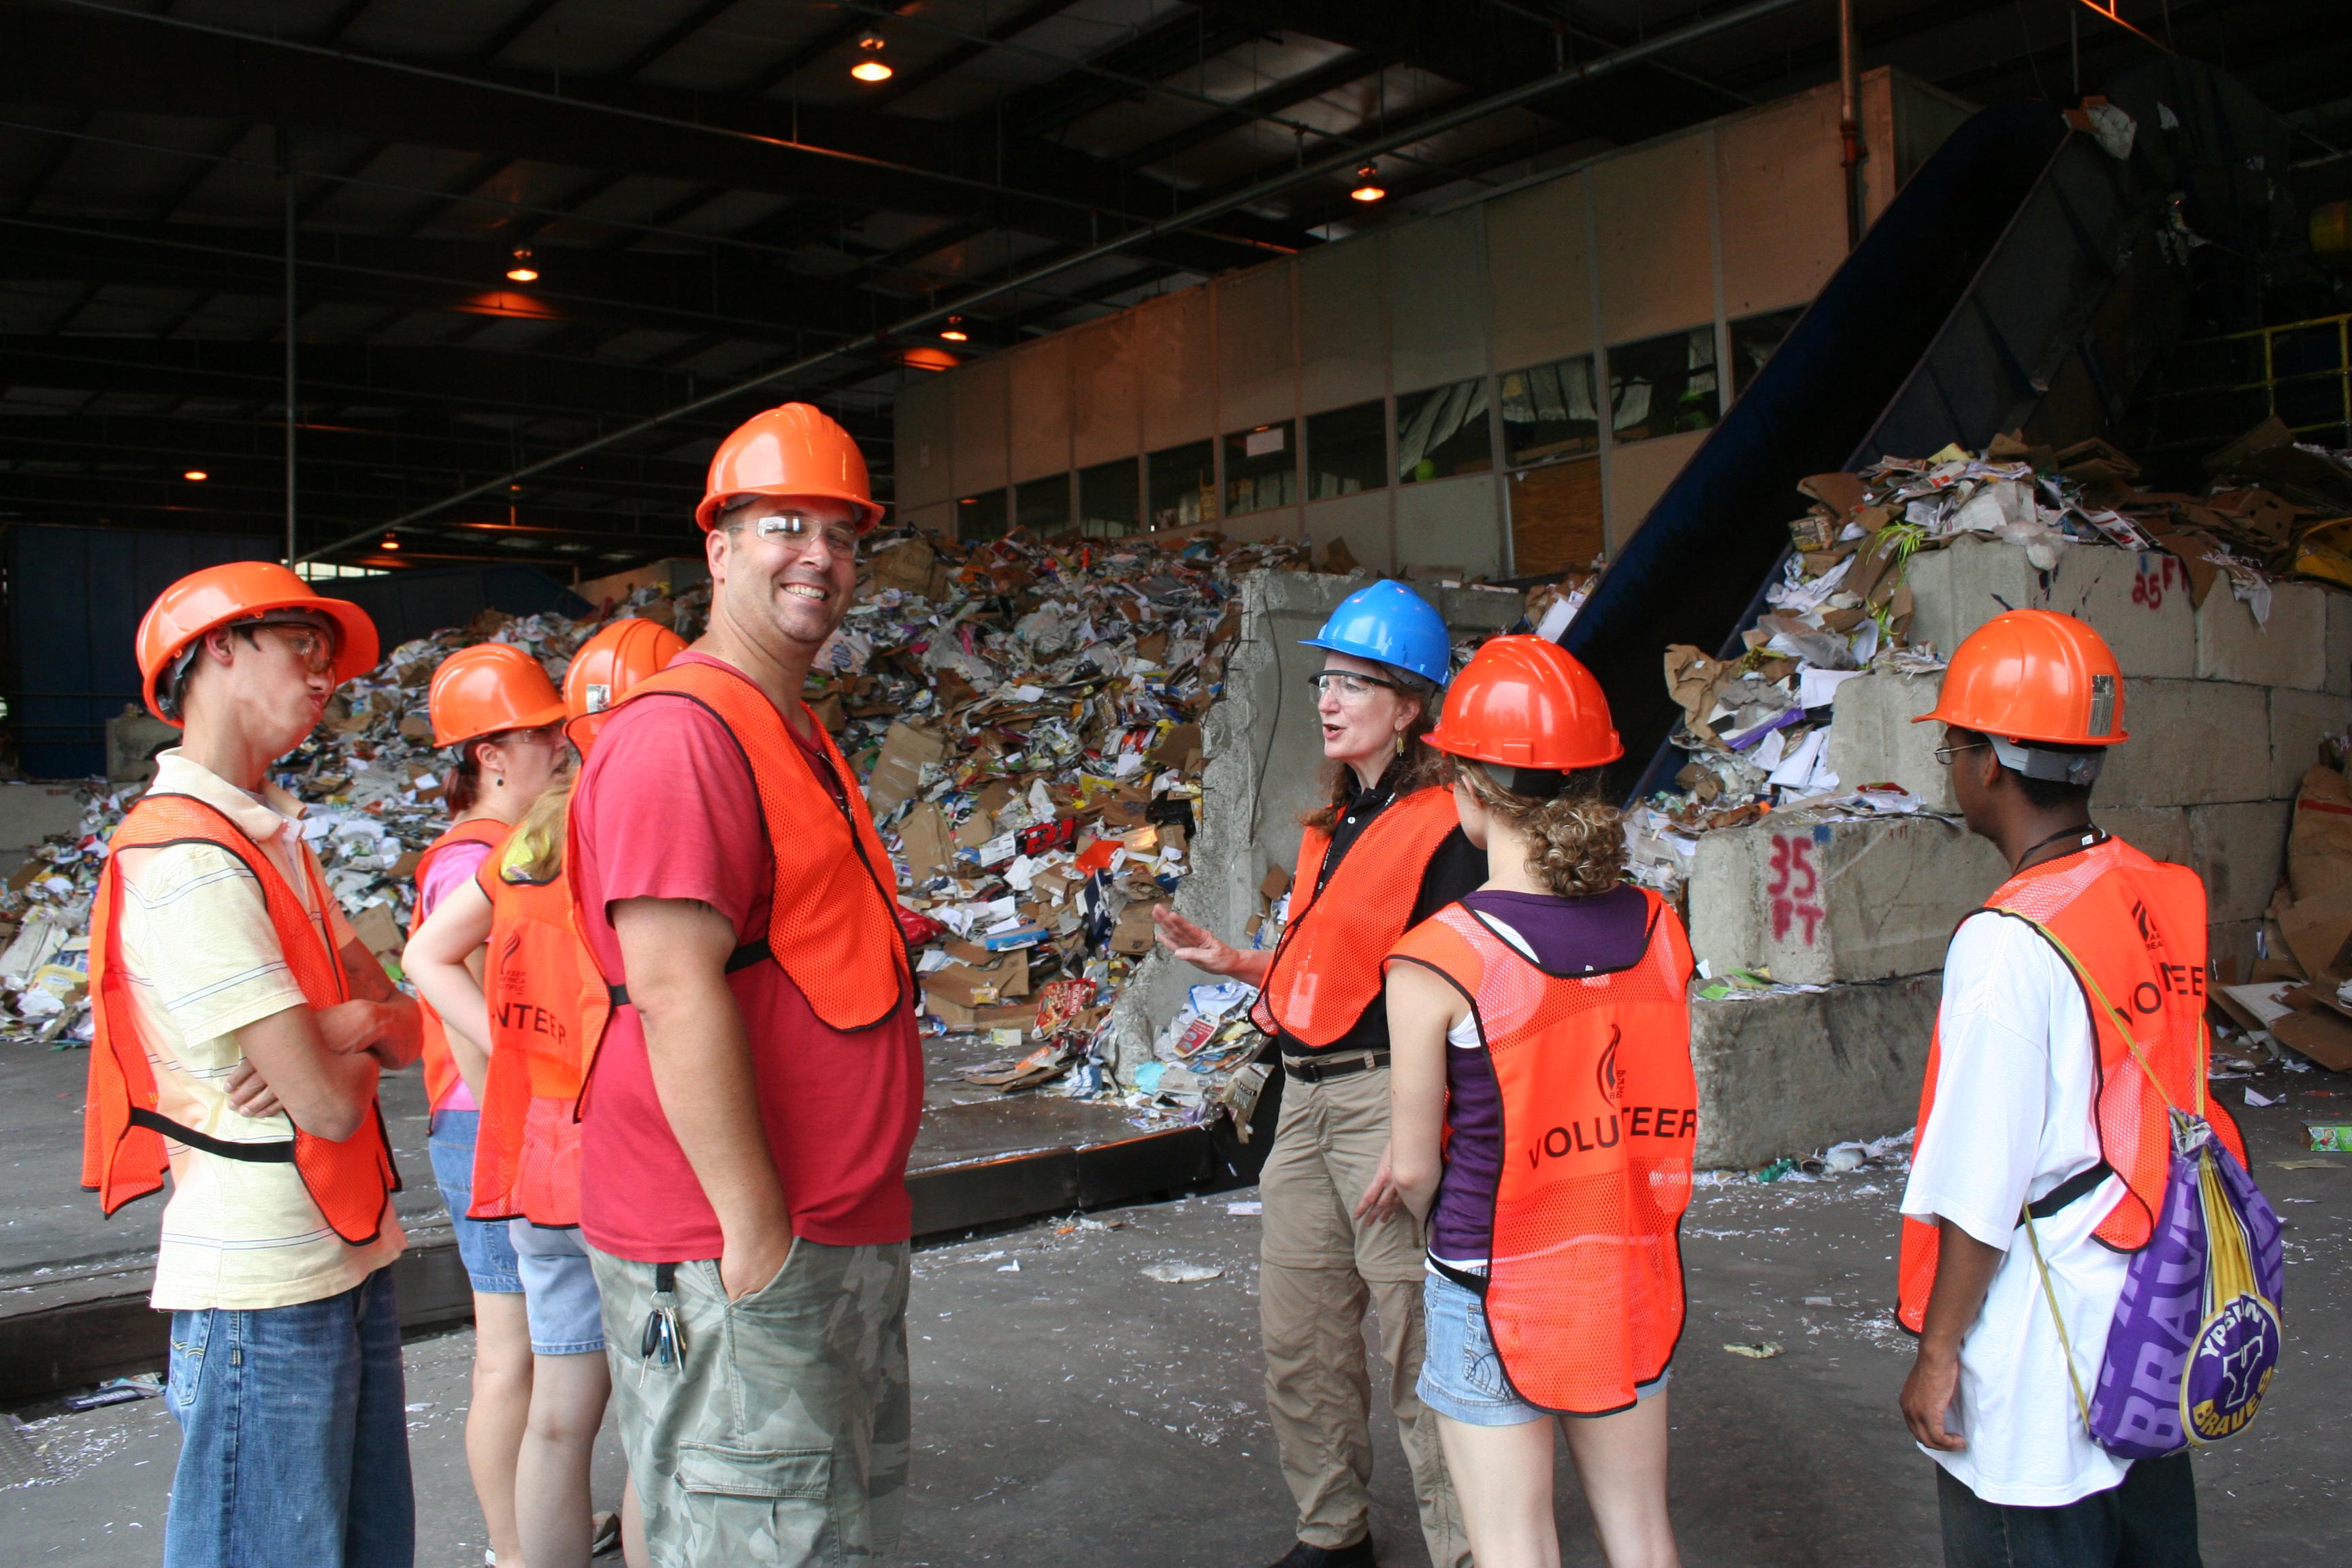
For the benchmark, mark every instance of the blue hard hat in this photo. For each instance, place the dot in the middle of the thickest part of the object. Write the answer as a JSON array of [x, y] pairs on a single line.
[[1390, 624]]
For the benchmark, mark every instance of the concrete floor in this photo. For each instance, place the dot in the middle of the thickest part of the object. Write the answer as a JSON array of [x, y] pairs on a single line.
[[1071, 1410]]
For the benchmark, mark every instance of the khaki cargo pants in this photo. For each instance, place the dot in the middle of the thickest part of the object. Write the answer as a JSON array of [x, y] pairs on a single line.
[[781, 1437], [1318, 1269]]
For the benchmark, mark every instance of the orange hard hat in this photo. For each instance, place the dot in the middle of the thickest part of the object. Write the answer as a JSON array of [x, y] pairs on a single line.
[[241, 591], [2034, 675], [793, 450], [489, 689], [607, 665], [1524, 702]]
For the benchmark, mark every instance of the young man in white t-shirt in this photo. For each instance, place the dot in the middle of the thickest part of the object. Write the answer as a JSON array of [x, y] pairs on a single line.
[[2014, 1098], [285, 1364]]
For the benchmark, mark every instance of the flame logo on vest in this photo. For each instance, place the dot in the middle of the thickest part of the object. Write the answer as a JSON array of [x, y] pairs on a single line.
[[1606, 1072]]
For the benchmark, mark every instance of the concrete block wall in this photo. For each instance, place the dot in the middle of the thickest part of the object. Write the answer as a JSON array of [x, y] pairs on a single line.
[[2224, 716], [1831, 901]]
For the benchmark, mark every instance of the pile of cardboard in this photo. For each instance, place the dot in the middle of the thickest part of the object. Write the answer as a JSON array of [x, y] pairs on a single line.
[[1027, 716], [2300, 995], [1756, 727]]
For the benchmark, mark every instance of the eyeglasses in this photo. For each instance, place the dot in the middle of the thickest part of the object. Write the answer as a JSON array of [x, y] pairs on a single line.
[[541, 735], [1346, 685], [799, 528], [313, 648], [1945, 754]]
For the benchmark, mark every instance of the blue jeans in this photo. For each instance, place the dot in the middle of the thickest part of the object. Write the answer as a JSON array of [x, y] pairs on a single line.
[[2148, 1521], [293, 1436]]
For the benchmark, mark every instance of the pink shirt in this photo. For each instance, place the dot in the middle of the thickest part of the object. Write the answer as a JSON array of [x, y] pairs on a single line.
[[666, 809], [453, 867]]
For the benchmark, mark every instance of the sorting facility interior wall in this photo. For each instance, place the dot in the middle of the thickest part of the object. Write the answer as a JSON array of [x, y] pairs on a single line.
[[1432, 392]]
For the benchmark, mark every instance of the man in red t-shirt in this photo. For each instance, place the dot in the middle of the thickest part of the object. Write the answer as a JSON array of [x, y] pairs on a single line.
[[744, 1172]]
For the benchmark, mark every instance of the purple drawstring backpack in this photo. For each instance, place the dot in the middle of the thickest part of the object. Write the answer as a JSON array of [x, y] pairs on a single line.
[[2195, 1337]]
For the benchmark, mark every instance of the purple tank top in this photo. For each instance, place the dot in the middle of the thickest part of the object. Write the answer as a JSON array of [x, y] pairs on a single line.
[[1567, 936]]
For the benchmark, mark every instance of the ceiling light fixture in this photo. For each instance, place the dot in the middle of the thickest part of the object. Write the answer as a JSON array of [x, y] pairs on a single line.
[[953, 332], [390, 542], [522, 271], [196, 476], [871, 65], [1367, 183]]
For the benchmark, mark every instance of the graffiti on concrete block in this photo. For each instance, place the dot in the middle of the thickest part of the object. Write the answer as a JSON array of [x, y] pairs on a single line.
[[1795, 889]]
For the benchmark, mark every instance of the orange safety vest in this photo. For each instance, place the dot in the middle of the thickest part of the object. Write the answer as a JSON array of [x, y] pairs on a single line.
[[1325, 969], [440, 1067], [124, 1131], [1584, 1284], [832, 922], [2133, 930], [548, 1007]]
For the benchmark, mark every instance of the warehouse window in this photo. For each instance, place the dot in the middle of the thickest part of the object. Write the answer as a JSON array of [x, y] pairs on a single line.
[[1183, 482], [981, 516], [1261, 469], [1753, 340], [1443, 431], [1662, 386], [1109, 499], [1346, 450], [1042, 507], [1548, 413]]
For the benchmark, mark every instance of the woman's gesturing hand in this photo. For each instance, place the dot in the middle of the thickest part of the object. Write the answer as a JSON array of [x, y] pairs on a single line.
[[1193, 942]]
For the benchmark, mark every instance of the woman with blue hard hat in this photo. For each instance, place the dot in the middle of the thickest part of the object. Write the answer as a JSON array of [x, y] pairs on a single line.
[[1383, 852]]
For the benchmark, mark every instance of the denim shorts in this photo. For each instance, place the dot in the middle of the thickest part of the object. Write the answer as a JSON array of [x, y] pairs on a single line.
[[1462, 1375], [559, 1290], [482, 1243]]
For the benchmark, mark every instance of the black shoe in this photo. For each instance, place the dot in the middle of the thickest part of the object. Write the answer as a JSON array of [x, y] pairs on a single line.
[[1302, 1555]]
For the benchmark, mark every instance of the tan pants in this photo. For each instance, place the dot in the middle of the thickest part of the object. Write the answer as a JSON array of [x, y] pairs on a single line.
[[1318, 1269]]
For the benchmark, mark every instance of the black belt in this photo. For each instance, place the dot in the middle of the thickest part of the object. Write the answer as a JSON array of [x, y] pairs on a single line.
[[278, 1151], [1312, 1071], [743, 957], [2080, 1185]]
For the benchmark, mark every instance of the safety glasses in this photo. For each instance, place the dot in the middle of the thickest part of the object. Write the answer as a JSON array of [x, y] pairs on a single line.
[[1348, 686], [313, 648], [799, 528]]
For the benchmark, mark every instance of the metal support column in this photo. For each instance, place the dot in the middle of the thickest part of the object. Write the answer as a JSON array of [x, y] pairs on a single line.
[[1850, 123], [286, 180]]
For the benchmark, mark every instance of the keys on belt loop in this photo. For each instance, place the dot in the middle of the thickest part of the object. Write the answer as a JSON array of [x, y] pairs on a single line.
[[663, 1345]]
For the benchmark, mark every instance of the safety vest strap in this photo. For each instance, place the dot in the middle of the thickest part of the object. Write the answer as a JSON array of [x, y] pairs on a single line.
[[124, 1129], [743, 957], [275, 1152], [1325, 969]]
